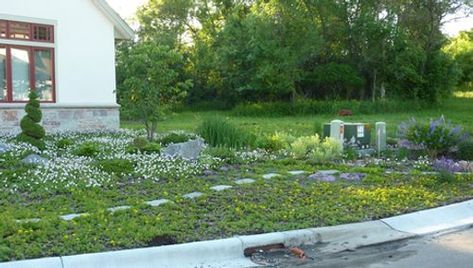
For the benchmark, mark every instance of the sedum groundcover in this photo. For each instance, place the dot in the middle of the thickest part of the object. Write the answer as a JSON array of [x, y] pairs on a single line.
[[33, 197]]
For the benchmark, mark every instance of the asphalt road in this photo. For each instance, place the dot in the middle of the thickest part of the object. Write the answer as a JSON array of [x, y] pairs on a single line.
[[449, 250]]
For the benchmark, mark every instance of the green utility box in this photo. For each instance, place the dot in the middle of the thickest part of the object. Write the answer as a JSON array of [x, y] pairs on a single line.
[[354, 133]]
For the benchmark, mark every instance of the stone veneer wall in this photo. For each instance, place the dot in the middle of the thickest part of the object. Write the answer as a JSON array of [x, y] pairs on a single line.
[[62, 118]]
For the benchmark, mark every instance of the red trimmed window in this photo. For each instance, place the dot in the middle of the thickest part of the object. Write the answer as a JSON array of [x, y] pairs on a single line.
[[19, 30], [26, 31], [42, 33], [3, 29], [26, 67]]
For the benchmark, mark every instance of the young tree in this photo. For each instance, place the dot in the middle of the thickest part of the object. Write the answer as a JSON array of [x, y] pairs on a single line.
[[31, 131], [151, 82], [461, 49]]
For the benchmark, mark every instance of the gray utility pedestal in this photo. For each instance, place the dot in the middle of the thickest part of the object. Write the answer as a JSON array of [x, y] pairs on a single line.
[[381, 136]]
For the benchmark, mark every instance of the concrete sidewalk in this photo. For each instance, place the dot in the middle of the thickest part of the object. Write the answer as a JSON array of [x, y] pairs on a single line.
[[229, 252]]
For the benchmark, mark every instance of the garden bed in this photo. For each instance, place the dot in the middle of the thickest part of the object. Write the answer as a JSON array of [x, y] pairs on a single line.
[[118, 198]]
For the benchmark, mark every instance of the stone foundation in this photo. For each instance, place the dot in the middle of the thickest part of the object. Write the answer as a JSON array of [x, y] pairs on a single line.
[[63, 118]]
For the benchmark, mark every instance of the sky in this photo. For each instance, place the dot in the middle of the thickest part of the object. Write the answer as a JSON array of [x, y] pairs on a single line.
[[127, 8]]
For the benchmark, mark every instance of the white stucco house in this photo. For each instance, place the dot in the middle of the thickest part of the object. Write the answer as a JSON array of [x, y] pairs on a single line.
[[65, 50]]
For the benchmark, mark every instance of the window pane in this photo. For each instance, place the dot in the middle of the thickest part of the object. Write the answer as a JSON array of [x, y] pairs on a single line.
[[41, 33], [20, 74], [19, 30], [43, 74], [3, 29], [3, 74]]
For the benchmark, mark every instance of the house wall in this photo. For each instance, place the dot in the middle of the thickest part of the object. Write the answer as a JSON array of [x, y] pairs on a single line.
[[84, 52], [64, 118]]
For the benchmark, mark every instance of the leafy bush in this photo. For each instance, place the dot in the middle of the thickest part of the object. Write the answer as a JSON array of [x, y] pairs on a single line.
[[173, 138], [311, 147], [31, 131], [274, 142], [141, 144], [64, 143], [88, 149], [152, 147], [465, 150], [116, 166], [436, 137], [218, 131]]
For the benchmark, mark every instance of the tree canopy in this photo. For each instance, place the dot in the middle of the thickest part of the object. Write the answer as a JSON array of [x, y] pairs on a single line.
[[264, 50]]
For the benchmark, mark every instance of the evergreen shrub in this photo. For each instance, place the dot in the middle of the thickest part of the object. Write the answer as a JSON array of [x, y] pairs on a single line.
[[31, 130]]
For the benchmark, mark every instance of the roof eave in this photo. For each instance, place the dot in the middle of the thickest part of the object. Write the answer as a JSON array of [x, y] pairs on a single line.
[[122, 29]]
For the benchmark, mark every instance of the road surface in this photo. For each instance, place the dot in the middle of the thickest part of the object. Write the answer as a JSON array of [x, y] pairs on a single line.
[[448, 250]]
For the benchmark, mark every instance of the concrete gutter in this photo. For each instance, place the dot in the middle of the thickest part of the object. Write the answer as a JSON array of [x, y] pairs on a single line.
[[229, 252]]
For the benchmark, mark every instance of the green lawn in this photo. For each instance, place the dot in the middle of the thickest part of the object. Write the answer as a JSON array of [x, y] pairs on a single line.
[[458, 110]]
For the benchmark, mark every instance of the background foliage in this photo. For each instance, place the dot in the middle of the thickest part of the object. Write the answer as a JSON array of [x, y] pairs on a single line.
[[239, 51]]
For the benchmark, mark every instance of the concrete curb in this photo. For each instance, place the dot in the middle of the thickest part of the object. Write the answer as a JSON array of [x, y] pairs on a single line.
[[434, 220], [229, 252]]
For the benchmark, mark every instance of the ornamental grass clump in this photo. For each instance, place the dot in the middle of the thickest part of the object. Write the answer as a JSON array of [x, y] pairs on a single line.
[[31, 131], [437, 137], [220, 132]]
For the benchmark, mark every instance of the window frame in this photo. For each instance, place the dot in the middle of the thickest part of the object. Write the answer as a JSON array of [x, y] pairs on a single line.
[[6, 71], [32, 72], [32, 26], [6, 29], [50, 29]]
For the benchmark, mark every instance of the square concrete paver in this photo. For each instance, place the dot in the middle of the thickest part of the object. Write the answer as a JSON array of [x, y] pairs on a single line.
[[219, 188], [244, 181], [157, 203], [33, 220], [270, 175], [296, 172], [70, 217], [193, 195], [115, 209]]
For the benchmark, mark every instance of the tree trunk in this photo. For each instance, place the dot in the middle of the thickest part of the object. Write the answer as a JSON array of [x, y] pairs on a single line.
[[373, 90], [382, 91], [151, 130]]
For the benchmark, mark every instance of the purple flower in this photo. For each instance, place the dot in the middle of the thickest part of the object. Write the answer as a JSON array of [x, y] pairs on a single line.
[[445, 164]]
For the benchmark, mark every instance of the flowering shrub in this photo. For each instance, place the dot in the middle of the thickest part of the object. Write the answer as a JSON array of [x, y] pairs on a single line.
[[276, 141], [437, 137], [452, 166], [311, 147]]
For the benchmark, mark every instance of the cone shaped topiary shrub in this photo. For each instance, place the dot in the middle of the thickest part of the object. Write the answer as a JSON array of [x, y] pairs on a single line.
[[31, 131]]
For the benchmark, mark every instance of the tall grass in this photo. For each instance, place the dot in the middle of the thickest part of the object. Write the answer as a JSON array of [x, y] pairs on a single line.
[[220, 132], [317, 107]]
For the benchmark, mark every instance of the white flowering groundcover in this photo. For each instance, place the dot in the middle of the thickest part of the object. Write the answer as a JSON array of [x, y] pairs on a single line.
[[65, 170], [118, 208]]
